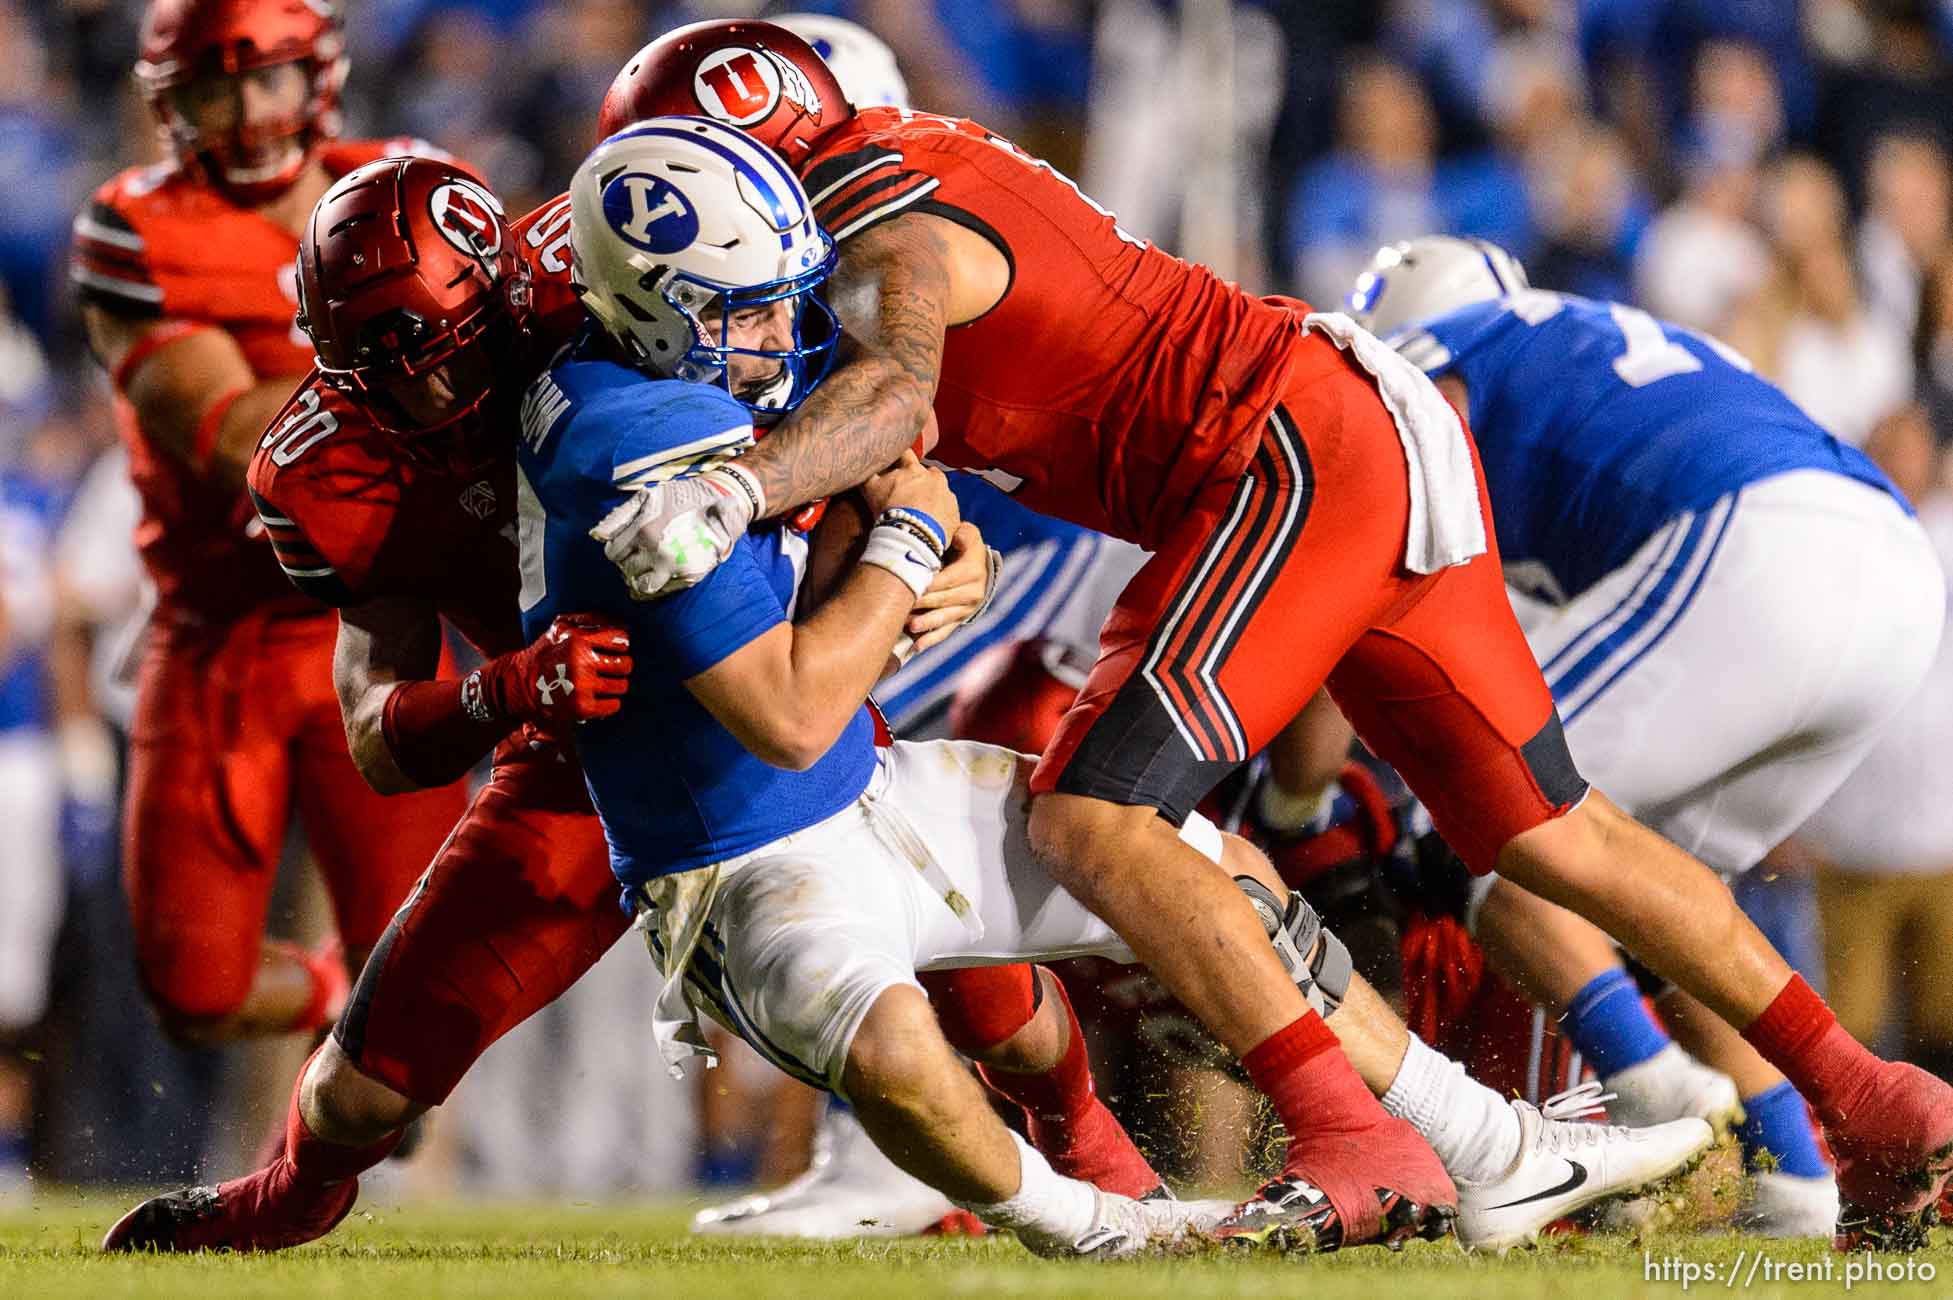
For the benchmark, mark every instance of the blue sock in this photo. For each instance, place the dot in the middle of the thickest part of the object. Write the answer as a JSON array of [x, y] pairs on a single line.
[[1778, 1122], [1610, 1024]]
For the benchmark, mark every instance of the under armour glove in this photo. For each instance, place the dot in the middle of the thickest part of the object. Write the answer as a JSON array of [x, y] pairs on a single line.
[[670, 535], [578, 669]]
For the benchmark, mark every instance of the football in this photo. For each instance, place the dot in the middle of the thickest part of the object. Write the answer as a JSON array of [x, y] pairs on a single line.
[[834, 547]]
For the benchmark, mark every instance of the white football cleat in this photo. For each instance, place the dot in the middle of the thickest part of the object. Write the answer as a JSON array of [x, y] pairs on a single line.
[[1173, 1219], [1565, 1163], [1671, 1084], [1778, 1204], [849, 1190], [1121, 1227]]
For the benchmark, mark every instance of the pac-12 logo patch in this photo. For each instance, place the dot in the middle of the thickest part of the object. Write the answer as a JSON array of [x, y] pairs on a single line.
[[467, 216], [649, 212]]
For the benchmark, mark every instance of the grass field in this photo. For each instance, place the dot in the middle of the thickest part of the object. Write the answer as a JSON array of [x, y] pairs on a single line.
[[557, 1252]]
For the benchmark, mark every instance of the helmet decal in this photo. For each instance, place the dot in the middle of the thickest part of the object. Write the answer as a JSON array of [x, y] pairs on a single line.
[[738, 86], [467, 216], [649, 212], [678, 226]]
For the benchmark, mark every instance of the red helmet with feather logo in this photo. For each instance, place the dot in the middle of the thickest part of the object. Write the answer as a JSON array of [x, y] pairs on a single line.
[[756, 76], [414, 295]]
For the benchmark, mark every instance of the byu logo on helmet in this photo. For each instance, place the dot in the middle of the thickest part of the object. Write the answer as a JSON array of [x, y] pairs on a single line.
[[466, 215], [649, 211]]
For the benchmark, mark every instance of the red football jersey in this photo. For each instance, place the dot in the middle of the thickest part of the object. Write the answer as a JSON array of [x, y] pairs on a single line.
[[351, 517], [1112, 380], [156, 243]]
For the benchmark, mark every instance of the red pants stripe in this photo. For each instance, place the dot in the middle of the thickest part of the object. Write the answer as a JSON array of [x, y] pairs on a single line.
[[1293, 577]]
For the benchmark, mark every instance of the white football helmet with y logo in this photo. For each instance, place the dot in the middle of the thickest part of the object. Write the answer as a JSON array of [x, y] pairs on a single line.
[[678, 223], [860, 60], [1421, 278]]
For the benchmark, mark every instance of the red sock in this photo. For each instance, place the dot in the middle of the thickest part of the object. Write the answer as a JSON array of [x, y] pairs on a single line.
[[1058, 1098], [1303, 1072], [319, 1163], [1065, 1119], [1799, 1035]]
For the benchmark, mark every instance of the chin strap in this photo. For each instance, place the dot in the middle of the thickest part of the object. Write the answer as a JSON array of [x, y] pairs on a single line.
[[1295, 931]]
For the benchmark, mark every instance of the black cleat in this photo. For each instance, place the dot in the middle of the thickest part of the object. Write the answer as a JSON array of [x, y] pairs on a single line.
[[1294, 1216], [164, 1223]]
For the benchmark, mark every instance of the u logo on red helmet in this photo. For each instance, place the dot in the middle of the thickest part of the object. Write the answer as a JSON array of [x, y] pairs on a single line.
[[649, 212], [738, 86], [467, 216]]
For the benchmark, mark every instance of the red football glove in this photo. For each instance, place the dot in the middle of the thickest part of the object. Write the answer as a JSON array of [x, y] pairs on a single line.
[[578, 669]]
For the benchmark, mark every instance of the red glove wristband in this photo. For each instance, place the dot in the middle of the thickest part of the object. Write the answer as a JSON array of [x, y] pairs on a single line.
[[432, 737]]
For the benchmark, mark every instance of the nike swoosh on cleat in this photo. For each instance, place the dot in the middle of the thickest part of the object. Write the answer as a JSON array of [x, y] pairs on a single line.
[[1098, 1237], [1574, 1179]]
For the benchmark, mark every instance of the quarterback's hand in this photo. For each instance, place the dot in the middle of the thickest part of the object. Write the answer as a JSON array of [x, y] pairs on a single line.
[[912, 485], [578, 669], [960, 592], [669, 536]]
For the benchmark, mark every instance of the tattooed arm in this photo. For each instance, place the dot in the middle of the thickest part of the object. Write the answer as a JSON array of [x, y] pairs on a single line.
[[891, 290]]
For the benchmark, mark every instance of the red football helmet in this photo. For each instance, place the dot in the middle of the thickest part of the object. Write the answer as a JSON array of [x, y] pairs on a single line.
[[188, 43], [758, 77], [414, 296]]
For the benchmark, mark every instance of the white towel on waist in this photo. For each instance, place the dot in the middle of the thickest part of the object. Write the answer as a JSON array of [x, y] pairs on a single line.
[[1447, 526], [671, 914]]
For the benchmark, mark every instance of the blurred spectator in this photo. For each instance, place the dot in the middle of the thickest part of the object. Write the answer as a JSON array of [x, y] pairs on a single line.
[[1183, 168], [1593, 214], [1932, 348], [579, 45], [1907, 226], [1316, 40], [1808, 324], [1461, 49], [1703, 256], [31, 884], [1580, 180], [38, 149], [1385, 183], [1890, 74], [27, 383], [1886, 893]]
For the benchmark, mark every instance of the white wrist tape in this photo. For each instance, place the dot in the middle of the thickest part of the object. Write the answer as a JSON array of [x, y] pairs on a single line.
[[903, 554]]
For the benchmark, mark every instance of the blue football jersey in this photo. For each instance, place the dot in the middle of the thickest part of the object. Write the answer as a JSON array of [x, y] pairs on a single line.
[[29, 509], [675, 789], [1597, 424]]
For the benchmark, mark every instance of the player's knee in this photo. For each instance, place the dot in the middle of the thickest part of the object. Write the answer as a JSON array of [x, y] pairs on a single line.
[[1566, 854], [343, 1104], [898, 1053], [1080, 840], [1039, 1044], [980, 1008]]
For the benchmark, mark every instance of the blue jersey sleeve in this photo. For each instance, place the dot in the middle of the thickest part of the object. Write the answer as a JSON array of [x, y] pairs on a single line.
[[707, 623], [1435, 345], [658, 432]]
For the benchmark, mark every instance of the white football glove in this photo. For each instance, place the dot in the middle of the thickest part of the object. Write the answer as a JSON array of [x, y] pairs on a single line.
[[669, 536]]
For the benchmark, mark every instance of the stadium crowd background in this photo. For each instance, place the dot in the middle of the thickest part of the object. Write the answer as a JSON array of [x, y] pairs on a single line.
[[1773, 171]]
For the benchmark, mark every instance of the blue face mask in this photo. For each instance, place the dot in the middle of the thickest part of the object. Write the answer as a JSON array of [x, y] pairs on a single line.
[[803, 365]]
